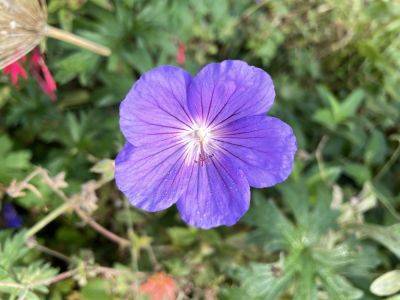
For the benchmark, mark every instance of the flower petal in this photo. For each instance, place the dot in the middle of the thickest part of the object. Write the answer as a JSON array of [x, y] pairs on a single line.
[[217, 194], [227, 91], [156, 106], [152, 177], [263, 147]]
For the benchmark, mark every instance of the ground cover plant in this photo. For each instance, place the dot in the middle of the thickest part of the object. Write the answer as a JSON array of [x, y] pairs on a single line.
[[330, 231]]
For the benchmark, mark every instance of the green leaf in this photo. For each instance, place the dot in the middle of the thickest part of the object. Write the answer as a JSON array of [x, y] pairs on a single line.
[[76, 64], [329, 98], [17, 160], [140, 58], [12, 249], [266, 280], [235, 293], [376, 149], [306, 285], [329, 174], [386, 200], [12, 163], [360, 173], [75, 128], [182, 237], [325, 117], [272, 226], [97, 289], [386, 284], [387, 236], [323, 217], [105, 167], [35, 273], [350, 105], [106, 4], [5, 145], [295, 196], [338, 287]]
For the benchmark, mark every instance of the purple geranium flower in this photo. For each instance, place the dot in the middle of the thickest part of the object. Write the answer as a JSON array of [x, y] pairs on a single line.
[[201, 142], [11, 217]]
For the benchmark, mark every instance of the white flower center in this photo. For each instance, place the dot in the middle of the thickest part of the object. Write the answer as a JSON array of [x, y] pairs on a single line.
[[199, 144]]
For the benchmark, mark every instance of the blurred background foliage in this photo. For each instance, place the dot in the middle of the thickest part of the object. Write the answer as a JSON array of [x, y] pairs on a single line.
[[327, 233]]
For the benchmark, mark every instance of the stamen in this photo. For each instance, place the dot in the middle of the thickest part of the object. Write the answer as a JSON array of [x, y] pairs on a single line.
[[199, 143]]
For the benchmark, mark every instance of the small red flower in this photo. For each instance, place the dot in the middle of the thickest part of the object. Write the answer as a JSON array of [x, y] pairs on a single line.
[[159, 286], [181, 54], [38, 69], [42, 74], [15, 71]]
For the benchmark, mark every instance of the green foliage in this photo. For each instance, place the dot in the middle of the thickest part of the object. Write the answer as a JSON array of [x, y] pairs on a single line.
[[13, 163], [312, 257], [387, 236], [326, 233], [20, 277]]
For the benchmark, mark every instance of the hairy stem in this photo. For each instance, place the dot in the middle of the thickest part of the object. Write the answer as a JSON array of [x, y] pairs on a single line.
[[100, 229], [92, 223], [68, 37], [48, 219]]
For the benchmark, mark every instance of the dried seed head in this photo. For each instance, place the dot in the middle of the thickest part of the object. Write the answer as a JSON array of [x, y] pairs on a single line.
[[22, 27]]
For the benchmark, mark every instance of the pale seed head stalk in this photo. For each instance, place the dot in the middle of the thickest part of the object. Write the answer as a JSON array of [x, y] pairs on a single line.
[[23, 25]]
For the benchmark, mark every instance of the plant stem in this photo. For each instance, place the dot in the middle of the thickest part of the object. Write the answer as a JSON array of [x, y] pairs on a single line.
[[45, 282], [49, 251], [71, 38], [133, 250], [389, 163], [48, 219], [92, 223], [100, 229], [57, 278]]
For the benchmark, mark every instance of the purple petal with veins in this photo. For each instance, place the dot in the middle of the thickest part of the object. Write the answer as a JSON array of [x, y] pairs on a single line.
[[201, 142]]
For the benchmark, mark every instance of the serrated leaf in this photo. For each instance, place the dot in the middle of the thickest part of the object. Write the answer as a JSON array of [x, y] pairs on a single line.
[[266, 280], [140, 59], [12, 249], [12, 162], [271, 224], [78, 63], [338, 287], [35, 273]]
